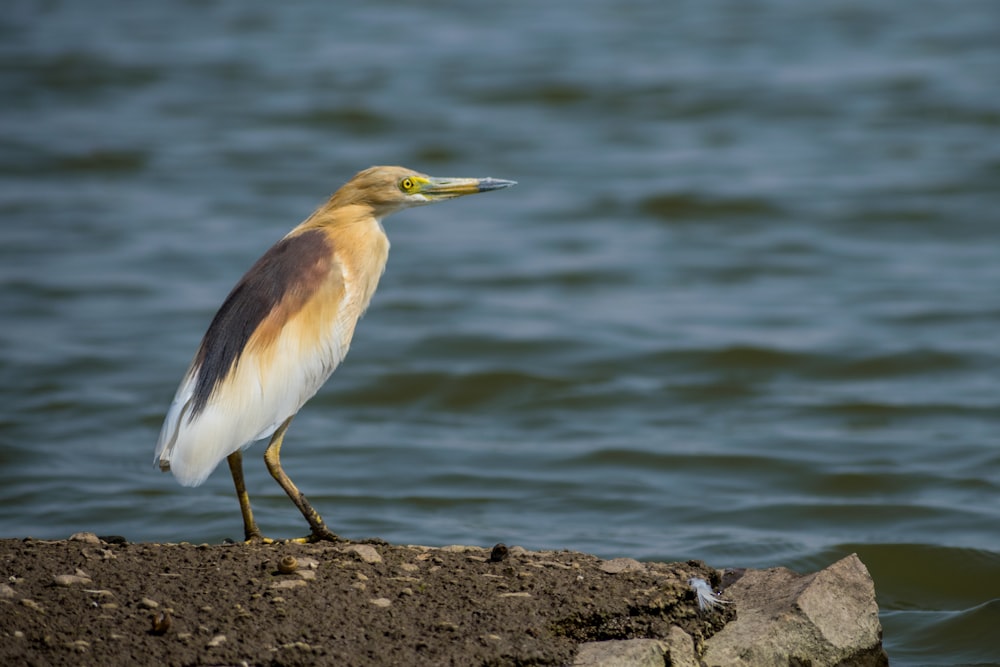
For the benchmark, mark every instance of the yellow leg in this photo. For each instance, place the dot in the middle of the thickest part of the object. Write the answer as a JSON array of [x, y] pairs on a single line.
[[250, 531], [272, 459]]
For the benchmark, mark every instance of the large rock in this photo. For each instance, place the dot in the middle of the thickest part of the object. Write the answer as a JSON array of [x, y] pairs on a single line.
[[828, 617]]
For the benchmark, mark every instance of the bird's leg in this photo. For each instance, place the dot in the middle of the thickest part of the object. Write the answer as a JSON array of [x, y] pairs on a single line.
[[272, 458], [250, 530]]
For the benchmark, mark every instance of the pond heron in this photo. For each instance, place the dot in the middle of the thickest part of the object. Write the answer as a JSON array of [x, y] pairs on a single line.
[[284, 329]]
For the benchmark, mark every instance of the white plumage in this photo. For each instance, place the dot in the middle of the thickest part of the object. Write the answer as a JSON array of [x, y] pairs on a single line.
[[267, 386]]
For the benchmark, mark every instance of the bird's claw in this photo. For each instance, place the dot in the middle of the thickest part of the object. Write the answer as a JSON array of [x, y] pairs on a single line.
[[323, 534]]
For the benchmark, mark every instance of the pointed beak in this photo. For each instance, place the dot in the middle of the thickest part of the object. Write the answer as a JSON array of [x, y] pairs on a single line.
[[447, 188]]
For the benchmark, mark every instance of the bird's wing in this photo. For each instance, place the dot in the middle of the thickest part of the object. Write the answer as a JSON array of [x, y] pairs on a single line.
[[280, 333]]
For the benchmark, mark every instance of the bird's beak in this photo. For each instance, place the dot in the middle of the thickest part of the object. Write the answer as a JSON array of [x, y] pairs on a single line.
[[447, 188]]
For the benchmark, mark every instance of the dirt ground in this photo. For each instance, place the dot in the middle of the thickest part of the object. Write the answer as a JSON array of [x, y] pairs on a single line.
[[107, 602]]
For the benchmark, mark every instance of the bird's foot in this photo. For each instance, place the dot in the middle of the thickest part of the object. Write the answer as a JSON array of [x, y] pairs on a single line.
[[320, 533], [313, 538], [257, 538]]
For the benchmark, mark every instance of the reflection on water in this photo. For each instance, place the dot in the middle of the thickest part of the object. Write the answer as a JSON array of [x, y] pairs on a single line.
[[741, 307]]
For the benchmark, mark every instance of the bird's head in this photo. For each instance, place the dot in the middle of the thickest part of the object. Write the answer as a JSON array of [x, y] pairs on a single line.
[[390, 189]]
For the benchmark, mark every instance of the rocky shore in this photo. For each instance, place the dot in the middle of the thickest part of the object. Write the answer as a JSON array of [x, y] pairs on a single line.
[[103, 601]]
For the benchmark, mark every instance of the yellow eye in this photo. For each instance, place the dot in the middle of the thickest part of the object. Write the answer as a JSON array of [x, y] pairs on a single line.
[[406, 185]]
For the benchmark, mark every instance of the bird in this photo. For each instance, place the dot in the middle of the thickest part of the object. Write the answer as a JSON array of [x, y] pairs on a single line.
[[283, 330]]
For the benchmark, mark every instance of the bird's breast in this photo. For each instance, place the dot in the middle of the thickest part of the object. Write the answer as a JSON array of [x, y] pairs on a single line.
[[362, 254], [359, 254], [313, 339]]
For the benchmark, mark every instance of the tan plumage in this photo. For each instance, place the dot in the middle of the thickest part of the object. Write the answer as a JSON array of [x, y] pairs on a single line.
[[285, 328]]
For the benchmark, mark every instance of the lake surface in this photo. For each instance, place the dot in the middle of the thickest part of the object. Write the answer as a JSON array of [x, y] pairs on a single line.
[[743, 305]]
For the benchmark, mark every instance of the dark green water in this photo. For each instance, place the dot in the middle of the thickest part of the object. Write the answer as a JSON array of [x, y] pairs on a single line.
[[743, 306]]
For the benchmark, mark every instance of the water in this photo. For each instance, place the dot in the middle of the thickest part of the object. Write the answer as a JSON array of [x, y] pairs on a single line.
[[743, 305]]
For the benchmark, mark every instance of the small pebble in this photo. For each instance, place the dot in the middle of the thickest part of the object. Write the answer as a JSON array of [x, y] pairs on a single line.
[[381, 602], [97, 553], [70, 580], [365, 552], [101, 593], [459, 548], [288, 583], [217, 640], [616, 565], [89, 538], [147, 603], [7, 591], [301, 646]]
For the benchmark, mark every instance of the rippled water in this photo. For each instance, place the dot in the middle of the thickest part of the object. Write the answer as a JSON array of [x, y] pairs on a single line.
[[743, 305]]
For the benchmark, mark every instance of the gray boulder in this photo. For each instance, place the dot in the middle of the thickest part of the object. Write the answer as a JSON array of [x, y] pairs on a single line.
[[828, 617]]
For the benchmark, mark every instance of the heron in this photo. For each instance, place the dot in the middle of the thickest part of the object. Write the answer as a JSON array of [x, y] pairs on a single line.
[[284, 328]]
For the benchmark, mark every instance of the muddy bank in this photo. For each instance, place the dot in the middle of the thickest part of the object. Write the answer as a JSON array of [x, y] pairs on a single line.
[[94, 602]]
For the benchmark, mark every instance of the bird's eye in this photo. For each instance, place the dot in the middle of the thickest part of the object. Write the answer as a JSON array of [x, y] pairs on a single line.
[[406, 185]]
